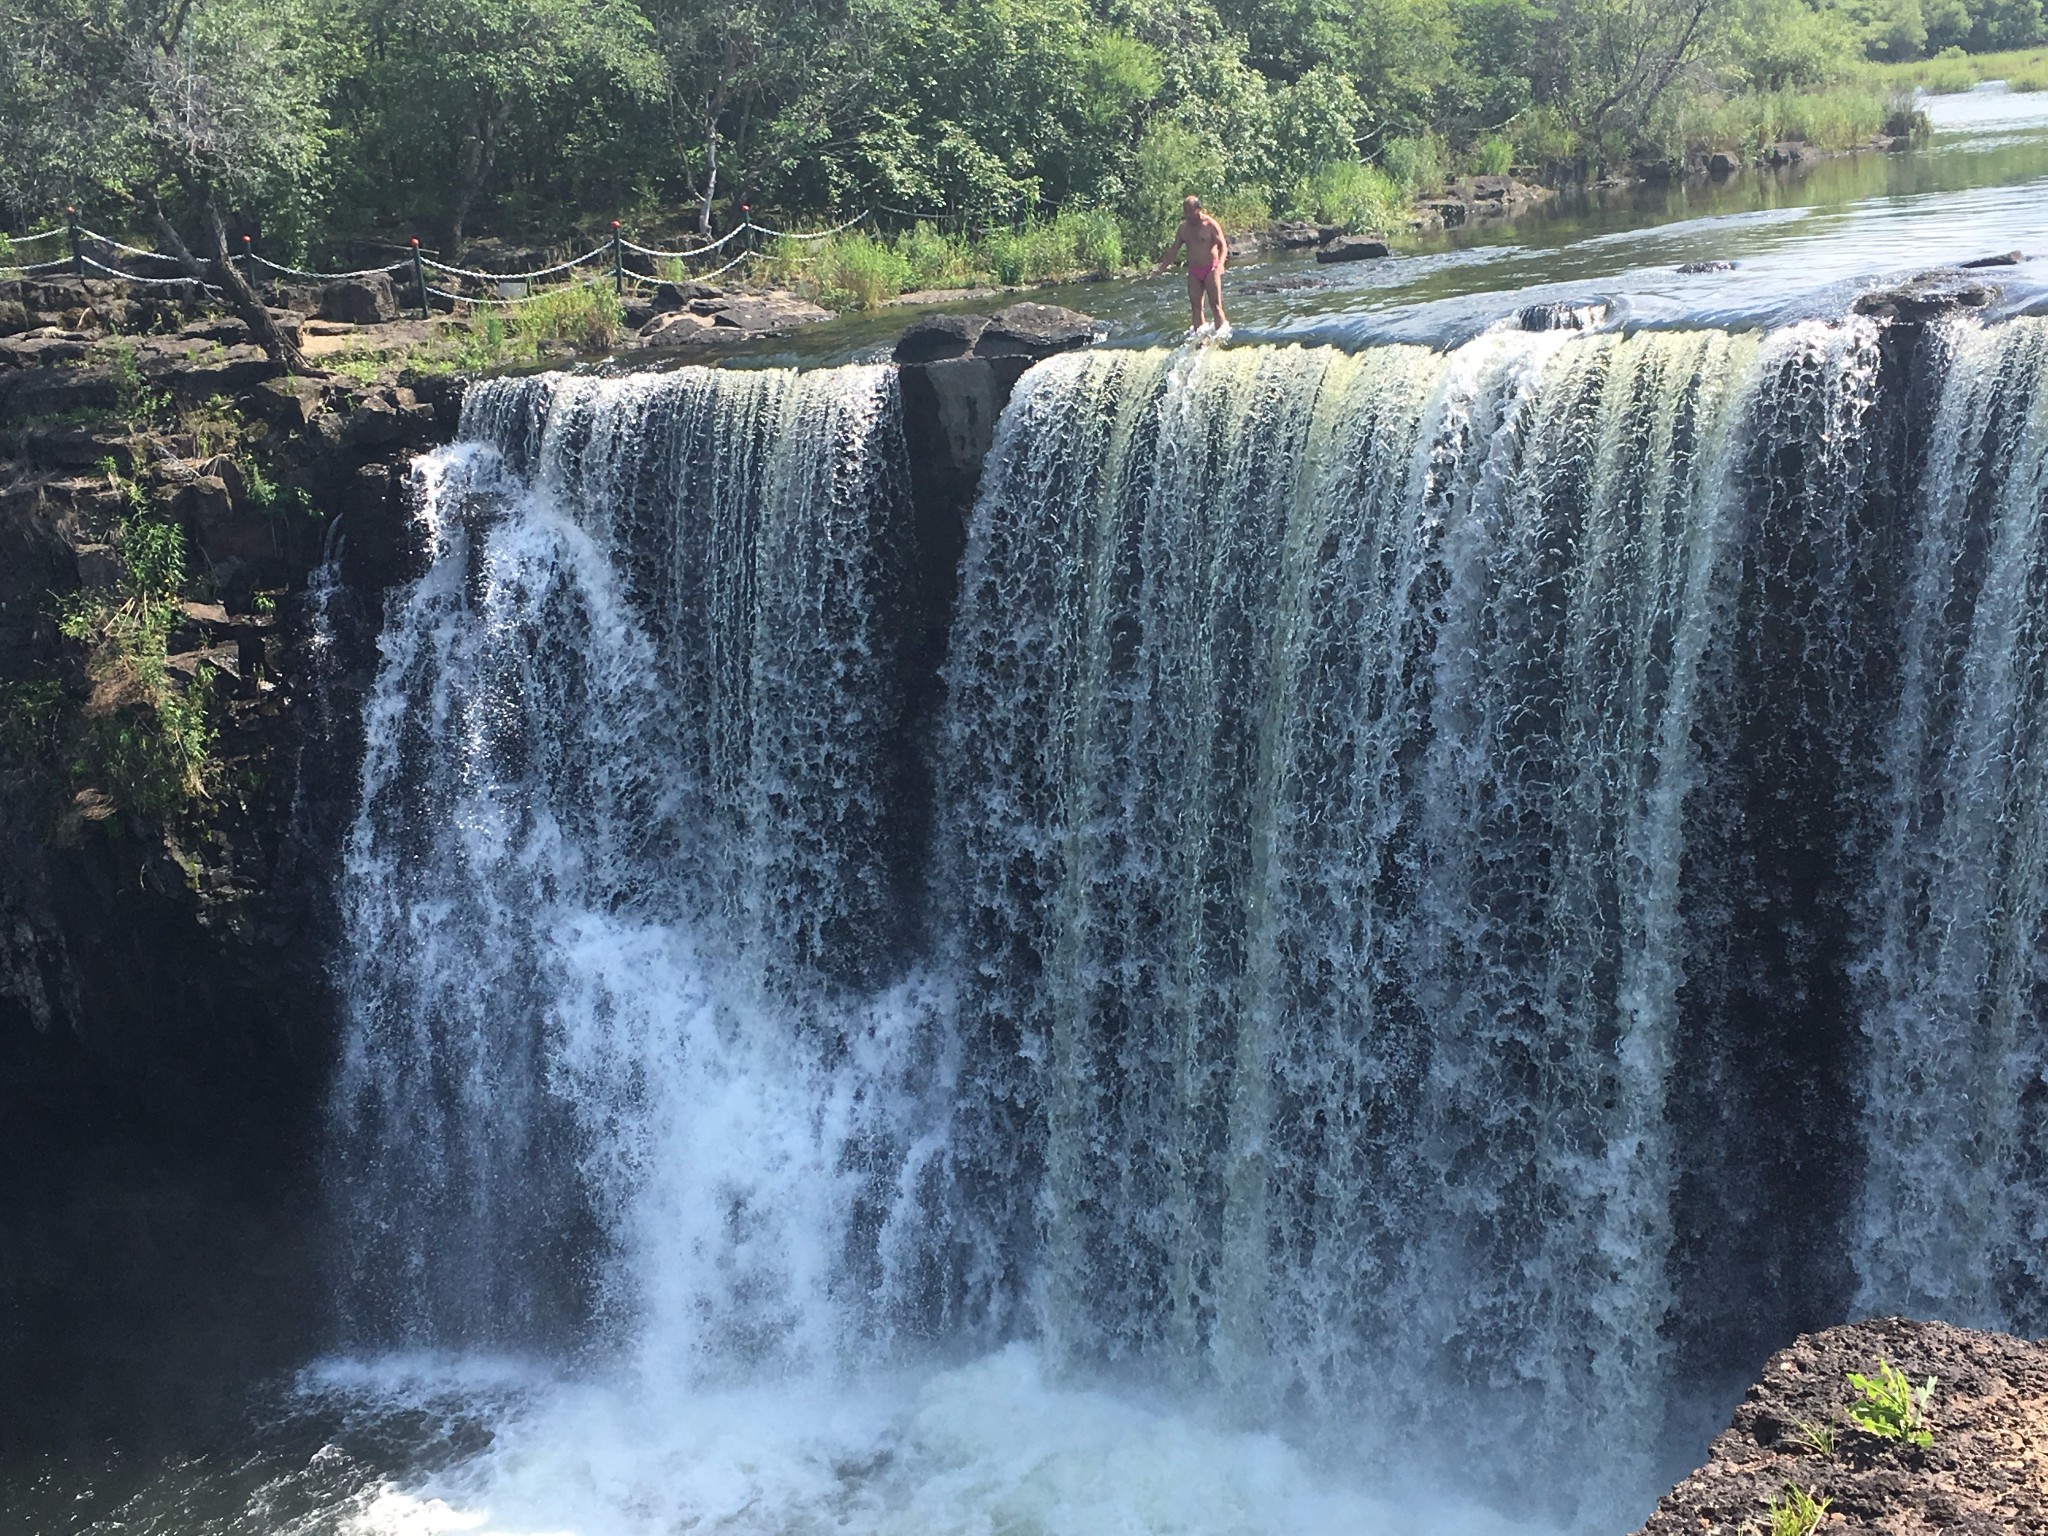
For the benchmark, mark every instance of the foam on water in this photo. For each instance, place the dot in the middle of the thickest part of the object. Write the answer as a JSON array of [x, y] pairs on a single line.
[[989, 1447]]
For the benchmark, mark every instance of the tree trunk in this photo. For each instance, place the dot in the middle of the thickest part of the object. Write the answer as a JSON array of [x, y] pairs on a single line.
[[242, 299], [479, 155], [710, 179]]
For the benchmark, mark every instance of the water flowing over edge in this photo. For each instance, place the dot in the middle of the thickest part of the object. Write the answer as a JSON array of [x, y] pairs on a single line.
[[1392, 811]]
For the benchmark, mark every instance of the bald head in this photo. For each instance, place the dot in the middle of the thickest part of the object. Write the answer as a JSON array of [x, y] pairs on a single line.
[[1191, 205]]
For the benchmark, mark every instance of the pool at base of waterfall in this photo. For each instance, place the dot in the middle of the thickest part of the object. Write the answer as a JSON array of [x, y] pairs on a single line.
[[419, 1446]]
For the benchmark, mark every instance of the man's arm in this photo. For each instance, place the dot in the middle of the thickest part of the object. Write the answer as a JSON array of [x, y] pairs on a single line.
[[1222, 244], [1179, 239]]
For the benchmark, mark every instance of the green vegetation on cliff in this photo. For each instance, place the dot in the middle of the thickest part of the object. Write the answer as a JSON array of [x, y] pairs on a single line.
[[338, 131]]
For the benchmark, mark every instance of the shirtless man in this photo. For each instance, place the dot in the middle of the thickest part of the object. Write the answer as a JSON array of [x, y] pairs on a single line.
[[1208, 251]]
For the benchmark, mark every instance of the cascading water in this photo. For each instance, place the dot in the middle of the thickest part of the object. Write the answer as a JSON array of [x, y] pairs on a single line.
[[1467, 895]]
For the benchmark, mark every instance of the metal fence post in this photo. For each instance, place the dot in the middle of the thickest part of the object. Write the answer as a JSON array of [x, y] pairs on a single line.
[[77, 255], [618, 262], [249, 262], [419, 277], [747, 223]]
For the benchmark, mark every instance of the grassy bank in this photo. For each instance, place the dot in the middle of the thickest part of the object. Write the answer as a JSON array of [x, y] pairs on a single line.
[[1952, 70]]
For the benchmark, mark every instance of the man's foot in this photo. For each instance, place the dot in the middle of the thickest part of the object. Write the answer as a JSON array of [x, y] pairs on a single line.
[[1222, 332]]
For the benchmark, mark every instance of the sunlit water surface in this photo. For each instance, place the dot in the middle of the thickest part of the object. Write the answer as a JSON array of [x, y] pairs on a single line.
[[1804, 240]]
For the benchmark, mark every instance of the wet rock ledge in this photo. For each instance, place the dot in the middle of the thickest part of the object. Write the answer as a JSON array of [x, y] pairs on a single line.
[[1984, 1472]]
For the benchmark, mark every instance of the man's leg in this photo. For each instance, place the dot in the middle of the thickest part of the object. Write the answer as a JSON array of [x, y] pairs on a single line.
[[1214, 293], [1195, 293]]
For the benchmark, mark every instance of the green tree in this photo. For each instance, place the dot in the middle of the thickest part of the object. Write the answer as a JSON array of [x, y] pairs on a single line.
[[184, 110], [450, 86]]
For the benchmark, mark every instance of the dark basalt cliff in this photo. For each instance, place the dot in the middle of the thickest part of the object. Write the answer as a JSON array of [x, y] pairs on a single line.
[[164, 1023]]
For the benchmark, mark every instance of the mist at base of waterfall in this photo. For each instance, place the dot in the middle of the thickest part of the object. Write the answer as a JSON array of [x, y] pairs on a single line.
[[991, 1446]]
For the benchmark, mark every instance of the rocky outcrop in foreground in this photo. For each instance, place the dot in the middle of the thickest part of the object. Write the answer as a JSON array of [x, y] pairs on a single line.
[[1984, 1470]]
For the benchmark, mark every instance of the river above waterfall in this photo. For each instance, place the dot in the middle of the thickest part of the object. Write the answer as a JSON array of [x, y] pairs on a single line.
[[1804, 240]]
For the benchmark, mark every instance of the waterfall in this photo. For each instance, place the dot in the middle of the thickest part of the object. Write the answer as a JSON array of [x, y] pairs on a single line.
[[622, 843], [1953, 1216], [1451, 901]]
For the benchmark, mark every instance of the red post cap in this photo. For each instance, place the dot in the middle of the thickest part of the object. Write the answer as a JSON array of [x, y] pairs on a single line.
[[71, 210], [746, 207], [245, 239], [615, 223], [415, 240]]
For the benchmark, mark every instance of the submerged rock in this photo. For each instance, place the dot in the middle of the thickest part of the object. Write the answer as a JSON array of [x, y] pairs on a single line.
[[1985, 1470], [1562, 315], [2002, 259], [1928, 295], [1693, 268]]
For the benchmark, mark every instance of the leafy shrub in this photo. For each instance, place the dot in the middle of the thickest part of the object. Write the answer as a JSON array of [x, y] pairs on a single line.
[[1417, 164], [141, 740], [1356, 196], [1891, 1407], [1495, 156], [860, 272], [1541, 137], [937, 260]]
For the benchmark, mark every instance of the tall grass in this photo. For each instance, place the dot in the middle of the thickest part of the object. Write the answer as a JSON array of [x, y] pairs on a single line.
[[1952, 70], [1838, 117], [1359, 197], [858, 270], [586, 315]]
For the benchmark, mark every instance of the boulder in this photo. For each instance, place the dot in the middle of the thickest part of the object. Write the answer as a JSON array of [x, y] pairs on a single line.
[[233, 371], [82, 448], [360, 300], [372, 424], [766, 314], [937, 337], [1034, 331], [1692, 268], [2002, 259], [1450, 213], [1353, 248], [1984, 1473], [1492, 189], [14, 317], [683, 329], [1722, 163], [54, 391], [1928, 295]]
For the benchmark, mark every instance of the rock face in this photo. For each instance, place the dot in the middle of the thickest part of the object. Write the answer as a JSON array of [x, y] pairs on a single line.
[[956, 374], [360, 301], [2002, 259], [1985, 1472], [163, 1009], [1351, 248], [1722, 163]]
